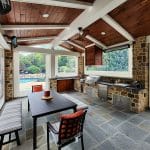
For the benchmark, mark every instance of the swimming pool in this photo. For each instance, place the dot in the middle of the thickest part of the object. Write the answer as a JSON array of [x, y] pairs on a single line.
[[26, 80]]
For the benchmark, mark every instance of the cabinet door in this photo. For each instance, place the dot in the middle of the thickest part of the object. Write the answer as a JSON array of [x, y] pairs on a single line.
[[69, 85], [61, 85], [90, 56], [98, 56]]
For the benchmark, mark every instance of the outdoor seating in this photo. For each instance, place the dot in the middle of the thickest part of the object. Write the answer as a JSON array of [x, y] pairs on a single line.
[[37, 88], [68, 130], [11, 121]]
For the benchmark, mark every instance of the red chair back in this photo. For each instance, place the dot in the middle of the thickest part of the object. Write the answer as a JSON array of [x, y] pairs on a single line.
[[71, 126], [37, 88]]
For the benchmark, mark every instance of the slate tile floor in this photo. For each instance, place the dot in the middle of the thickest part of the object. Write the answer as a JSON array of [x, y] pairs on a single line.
[[106, 128]]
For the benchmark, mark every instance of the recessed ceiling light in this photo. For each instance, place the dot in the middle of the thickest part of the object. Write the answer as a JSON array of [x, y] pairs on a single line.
[[45, 15], [103, 33]]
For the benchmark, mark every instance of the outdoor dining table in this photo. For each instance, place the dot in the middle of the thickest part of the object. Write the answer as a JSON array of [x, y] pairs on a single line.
[[40, 108]]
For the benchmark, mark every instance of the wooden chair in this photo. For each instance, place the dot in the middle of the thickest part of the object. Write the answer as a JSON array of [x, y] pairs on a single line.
[[68, 129], [35, 88]]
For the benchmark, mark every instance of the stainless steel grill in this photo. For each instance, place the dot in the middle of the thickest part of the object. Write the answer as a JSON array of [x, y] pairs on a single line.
[[92, 79]]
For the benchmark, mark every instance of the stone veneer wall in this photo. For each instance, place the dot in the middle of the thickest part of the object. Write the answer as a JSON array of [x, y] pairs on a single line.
[[9, 78], [81, 65], [139, 99]]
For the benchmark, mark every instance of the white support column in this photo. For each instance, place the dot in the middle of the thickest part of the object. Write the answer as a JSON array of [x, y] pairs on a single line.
[[16, 74], [48, 70], [52, 65]]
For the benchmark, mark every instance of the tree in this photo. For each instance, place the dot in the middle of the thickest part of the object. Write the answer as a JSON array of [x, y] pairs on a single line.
[[33, 69]]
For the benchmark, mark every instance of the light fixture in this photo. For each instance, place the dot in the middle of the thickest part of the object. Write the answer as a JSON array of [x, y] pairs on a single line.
[[45, 15], [80, 30], [5, 7], [103, 33]]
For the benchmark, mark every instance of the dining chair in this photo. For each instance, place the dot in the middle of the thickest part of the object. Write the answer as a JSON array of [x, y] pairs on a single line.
[[68, 130], [35, 88]]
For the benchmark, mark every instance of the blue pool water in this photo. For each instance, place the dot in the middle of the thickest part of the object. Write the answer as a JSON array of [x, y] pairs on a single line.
[[26, 80]]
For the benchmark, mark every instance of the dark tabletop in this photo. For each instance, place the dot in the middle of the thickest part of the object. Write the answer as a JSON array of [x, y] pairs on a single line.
[[41, 107]]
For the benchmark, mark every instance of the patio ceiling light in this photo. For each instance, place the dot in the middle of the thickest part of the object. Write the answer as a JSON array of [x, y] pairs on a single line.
[[45, 15]]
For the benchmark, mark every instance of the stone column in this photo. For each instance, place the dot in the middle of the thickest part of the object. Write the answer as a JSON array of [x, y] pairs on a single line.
[[9, 75]]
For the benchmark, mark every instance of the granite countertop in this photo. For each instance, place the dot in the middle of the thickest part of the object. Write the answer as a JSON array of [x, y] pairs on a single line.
[[65, 78], [125, 85]]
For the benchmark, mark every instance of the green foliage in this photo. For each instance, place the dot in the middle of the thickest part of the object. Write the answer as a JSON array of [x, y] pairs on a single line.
[[33, 69], [66, 64], [32, 63]]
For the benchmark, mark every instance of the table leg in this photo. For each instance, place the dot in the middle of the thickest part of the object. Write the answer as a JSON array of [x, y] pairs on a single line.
[[34, 133], [75, 109]]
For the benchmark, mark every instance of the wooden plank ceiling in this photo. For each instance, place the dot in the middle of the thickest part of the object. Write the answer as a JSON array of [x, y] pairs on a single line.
[[31, 14], [134, 16]]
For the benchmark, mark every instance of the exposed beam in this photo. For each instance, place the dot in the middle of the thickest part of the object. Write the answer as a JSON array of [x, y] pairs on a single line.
[[61, 3], [32, 27], [120, 44], [100, 9], [108, 19], [3, 42], [34, 39], [98, 43], [45, 51], [76, 45], [90, 45]]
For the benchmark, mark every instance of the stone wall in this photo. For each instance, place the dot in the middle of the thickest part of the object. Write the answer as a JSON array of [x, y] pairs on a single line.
[[81, 65], [9, 78]]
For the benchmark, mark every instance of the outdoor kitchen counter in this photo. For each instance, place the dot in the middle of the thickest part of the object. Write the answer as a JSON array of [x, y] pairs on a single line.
[[64, 78], [62, 84]]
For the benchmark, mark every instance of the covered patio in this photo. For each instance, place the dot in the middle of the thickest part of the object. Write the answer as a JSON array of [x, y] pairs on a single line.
[[91, 56]]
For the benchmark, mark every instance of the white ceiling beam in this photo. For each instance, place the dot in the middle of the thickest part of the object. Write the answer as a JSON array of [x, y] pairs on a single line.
[[90, 45], [45, 51], [32, 27], [76, 45], [34, 39], [60, 3], [100, 9], [109, 20], [3, 42], [98, 43]]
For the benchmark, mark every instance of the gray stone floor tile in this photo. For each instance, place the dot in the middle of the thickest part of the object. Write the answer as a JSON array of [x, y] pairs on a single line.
[[123, 142], [136, 120], [115, 122], [88, 143], [109, 130], [119, 115], [132, 131], [147, 139], [145, 125], [95, 132], [107, 145], [143, 146]]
